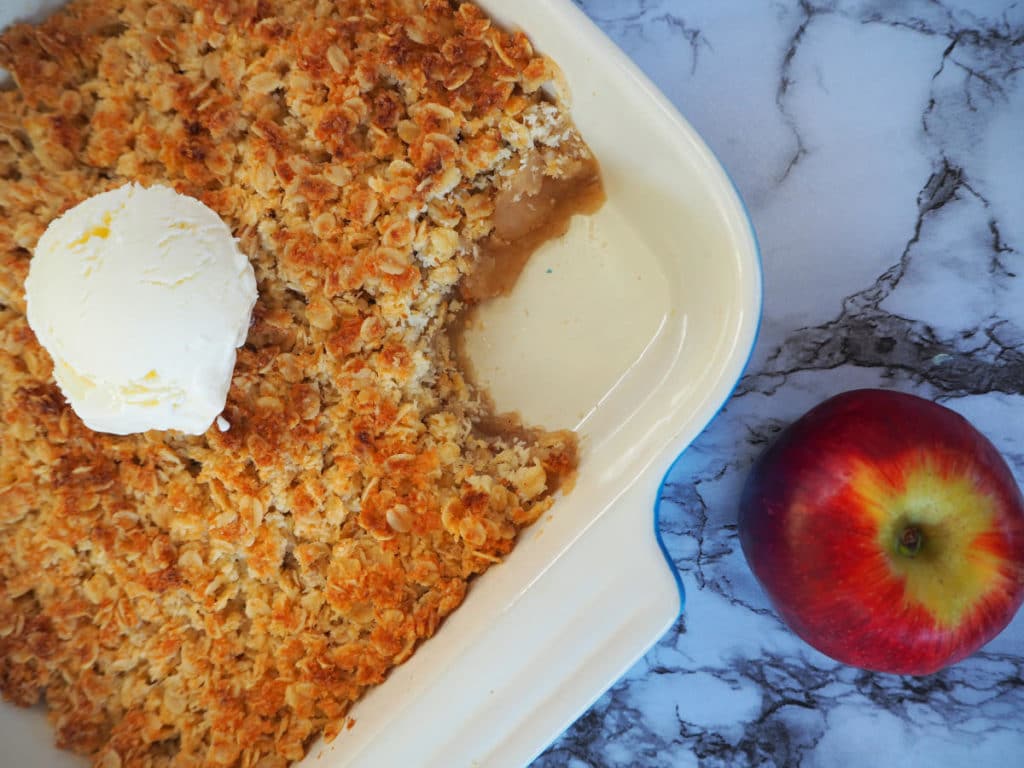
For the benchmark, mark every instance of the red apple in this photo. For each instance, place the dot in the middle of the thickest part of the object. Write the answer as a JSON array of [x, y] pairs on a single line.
[[887, 531]]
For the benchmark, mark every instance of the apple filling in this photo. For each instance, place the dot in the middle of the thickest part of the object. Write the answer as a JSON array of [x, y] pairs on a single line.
[[536, 205]]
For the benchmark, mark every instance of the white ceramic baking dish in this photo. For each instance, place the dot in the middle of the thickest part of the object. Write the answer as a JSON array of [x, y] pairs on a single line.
[[633, 329]]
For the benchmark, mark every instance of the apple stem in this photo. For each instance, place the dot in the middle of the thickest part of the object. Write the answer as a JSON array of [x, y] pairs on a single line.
[[910, 541]]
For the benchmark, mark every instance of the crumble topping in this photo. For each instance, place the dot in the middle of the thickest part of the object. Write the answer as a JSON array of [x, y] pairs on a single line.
[[223, 599]]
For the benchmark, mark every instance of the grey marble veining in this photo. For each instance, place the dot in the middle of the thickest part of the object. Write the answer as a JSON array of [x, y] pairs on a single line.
[[880, 148]]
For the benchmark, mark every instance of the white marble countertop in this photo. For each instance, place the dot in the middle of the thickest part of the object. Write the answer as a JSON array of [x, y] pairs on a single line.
[[880, 148]]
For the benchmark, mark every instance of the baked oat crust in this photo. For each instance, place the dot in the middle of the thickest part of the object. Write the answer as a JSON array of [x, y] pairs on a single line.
[[222, 600]]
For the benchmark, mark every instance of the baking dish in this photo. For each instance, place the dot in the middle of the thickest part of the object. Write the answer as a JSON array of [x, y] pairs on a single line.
[[632, 329]]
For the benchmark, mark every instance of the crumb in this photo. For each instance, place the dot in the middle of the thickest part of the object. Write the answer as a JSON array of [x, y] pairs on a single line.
[[224, 599]]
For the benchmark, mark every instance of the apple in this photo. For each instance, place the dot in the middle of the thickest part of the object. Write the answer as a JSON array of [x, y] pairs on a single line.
[[887, 532]]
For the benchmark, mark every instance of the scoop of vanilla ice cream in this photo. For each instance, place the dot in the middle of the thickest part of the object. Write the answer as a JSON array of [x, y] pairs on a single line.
[[141, 296]]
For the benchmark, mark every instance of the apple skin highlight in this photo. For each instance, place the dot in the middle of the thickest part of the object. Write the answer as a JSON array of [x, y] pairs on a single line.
[[828, 512]]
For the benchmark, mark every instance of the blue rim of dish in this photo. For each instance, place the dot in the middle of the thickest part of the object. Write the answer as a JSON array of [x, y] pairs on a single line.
[[750, 353]]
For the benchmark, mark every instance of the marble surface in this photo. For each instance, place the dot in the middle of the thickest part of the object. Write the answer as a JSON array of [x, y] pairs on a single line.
[[880, 148]]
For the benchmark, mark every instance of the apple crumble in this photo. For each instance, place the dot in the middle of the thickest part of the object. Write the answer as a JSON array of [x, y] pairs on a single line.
[[223, 599]]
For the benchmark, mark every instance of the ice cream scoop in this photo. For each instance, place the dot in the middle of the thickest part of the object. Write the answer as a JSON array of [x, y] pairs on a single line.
[[141, 296]]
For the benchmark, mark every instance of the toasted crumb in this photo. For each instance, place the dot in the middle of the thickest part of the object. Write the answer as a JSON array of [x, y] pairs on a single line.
[[223, 600]]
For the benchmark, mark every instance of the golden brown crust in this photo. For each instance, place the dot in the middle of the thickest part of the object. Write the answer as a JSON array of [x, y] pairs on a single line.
[[221, 600]]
